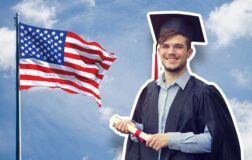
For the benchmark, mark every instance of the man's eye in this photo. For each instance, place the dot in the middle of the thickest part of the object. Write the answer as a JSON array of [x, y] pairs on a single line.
[[178, 46], [165, 46]]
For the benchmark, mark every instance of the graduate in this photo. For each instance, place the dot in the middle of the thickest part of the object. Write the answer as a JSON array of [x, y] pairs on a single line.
[[185, 117]]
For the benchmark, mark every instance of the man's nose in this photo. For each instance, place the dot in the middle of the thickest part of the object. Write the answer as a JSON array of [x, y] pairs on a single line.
[[171, 50]]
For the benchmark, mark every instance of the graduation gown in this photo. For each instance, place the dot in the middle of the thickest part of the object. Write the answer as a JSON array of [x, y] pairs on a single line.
[[198, 105]]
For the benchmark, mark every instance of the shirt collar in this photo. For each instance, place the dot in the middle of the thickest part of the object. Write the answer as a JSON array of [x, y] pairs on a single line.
[[181, 81]]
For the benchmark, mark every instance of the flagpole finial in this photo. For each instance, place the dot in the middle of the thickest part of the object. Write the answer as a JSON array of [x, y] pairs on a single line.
[[16, 18], [16, 15]]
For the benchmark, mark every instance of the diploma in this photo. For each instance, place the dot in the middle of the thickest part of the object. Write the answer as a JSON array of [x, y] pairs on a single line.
[[132, 129]]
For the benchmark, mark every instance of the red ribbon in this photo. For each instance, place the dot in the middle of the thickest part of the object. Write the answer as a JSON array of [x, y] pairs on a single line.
[[156, 67], [137, 134]]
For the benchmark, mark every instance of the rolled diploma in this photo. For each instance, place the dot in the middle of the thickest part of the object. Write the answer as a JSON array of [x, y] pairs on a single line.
[[132, 129]]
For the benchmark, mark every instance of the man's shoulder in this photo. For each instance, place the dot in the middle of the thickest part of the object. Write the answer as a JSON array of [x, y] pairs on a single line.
[[149, 86], [202, 87], [152, 84]]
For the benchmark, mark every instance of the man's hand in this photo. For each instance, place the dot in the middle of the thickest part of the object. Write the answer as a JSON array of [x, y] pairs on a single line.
[[157, 141], [121, 125]]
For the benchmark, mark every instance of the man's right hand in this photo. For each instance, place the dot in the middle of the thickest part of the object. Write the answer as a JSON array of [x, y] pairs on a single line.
[[121, 125]]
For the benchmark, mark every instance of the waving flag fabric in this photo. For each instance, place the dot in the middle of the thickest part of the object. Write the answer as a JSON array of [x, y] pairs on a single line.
[[61, 59]]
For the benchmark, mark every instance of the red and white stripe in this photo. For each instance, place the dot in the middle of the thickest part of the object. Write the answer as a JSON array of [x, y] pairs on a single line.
[[85, 64]]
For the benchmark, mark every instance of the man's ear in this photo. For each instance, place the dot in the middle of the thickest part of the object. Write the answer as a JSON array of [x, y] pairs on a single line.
[[190, 51], [158, 48]]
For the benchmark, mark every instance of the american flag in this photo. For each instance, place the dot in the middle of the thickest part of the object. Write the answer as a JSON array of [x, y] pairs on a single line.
[[61, 59]]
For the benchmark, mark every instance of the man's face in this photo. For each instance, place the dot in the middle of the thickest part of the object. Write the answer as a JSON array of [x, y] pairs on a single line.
[[174, 53]]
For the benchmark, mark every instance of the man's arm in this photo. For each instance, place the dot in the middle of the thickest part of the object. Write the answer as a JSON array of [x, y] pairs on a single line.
[[185, 142]]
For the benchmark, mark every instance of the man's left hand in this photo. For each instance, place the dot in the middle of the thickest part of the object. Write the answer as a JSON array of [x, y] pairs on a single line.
[[157, 141]]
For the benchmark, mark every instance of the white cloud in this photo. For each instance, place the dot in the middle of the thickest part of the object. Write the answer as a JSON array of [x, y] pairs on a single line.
[[37, 11], [117, 152], [242, 77], [231, 21], [7, 45], [85, 158], [91, 3], [243, 111], [108, 79], [106, 113]]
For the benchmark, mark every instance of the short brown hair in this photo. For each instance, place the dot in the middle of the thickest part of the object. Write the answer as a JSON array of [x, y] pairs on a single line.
[[168, 33]]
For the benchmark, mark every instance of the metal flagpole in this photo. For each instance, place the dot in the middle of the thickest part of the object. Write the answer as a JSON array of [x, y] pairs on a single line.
[[18, 106]]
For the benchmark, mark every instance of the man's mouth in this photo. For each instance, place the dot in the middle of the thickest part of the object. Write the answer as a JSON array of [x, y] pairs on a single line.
[[171, 59]]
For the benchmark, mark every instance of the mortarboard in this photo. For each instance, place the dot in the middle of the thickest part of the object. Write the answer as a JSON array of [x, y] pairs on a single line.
[[186, 23]]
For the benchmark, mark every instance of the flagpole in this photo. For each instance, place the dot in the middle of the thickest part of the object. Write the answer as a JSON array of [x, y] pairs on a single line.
[[18, 106]]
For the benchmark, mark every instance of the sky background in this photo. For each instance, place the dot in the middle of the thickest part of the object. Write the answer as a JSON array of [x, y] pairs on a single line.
[[58, 125]]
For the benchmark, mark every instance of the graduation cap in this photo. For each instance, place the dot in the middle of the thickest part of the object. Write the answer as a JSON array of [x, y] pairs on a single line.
[[185, 23]]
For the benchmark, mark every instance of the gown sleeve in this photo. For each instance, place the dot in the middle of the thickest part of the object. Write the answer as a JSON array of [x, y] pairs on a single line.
[[215, 114], [133, 148]]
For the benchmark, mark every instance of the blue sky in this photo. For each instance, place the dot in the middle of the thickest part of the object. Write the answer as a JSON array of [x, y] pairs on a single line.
[[58, 125]]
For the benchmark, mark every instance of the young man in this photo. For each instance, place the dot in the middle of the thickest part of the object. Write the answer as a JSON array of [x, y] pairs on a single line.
[[186, 118]]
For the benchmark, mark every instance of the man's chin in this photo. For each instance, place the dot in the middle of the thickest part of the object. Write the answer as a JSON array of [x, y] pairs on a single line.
[[174, 69]]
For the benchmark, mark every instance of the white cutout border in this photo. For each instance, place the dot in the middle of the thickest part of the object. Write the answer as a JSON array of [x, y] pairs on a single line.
[[189, 70]]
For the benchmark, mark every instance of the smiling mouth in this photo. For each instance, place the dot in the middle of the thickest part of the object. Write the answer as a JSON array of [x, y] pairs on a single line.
[[171, 59]]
